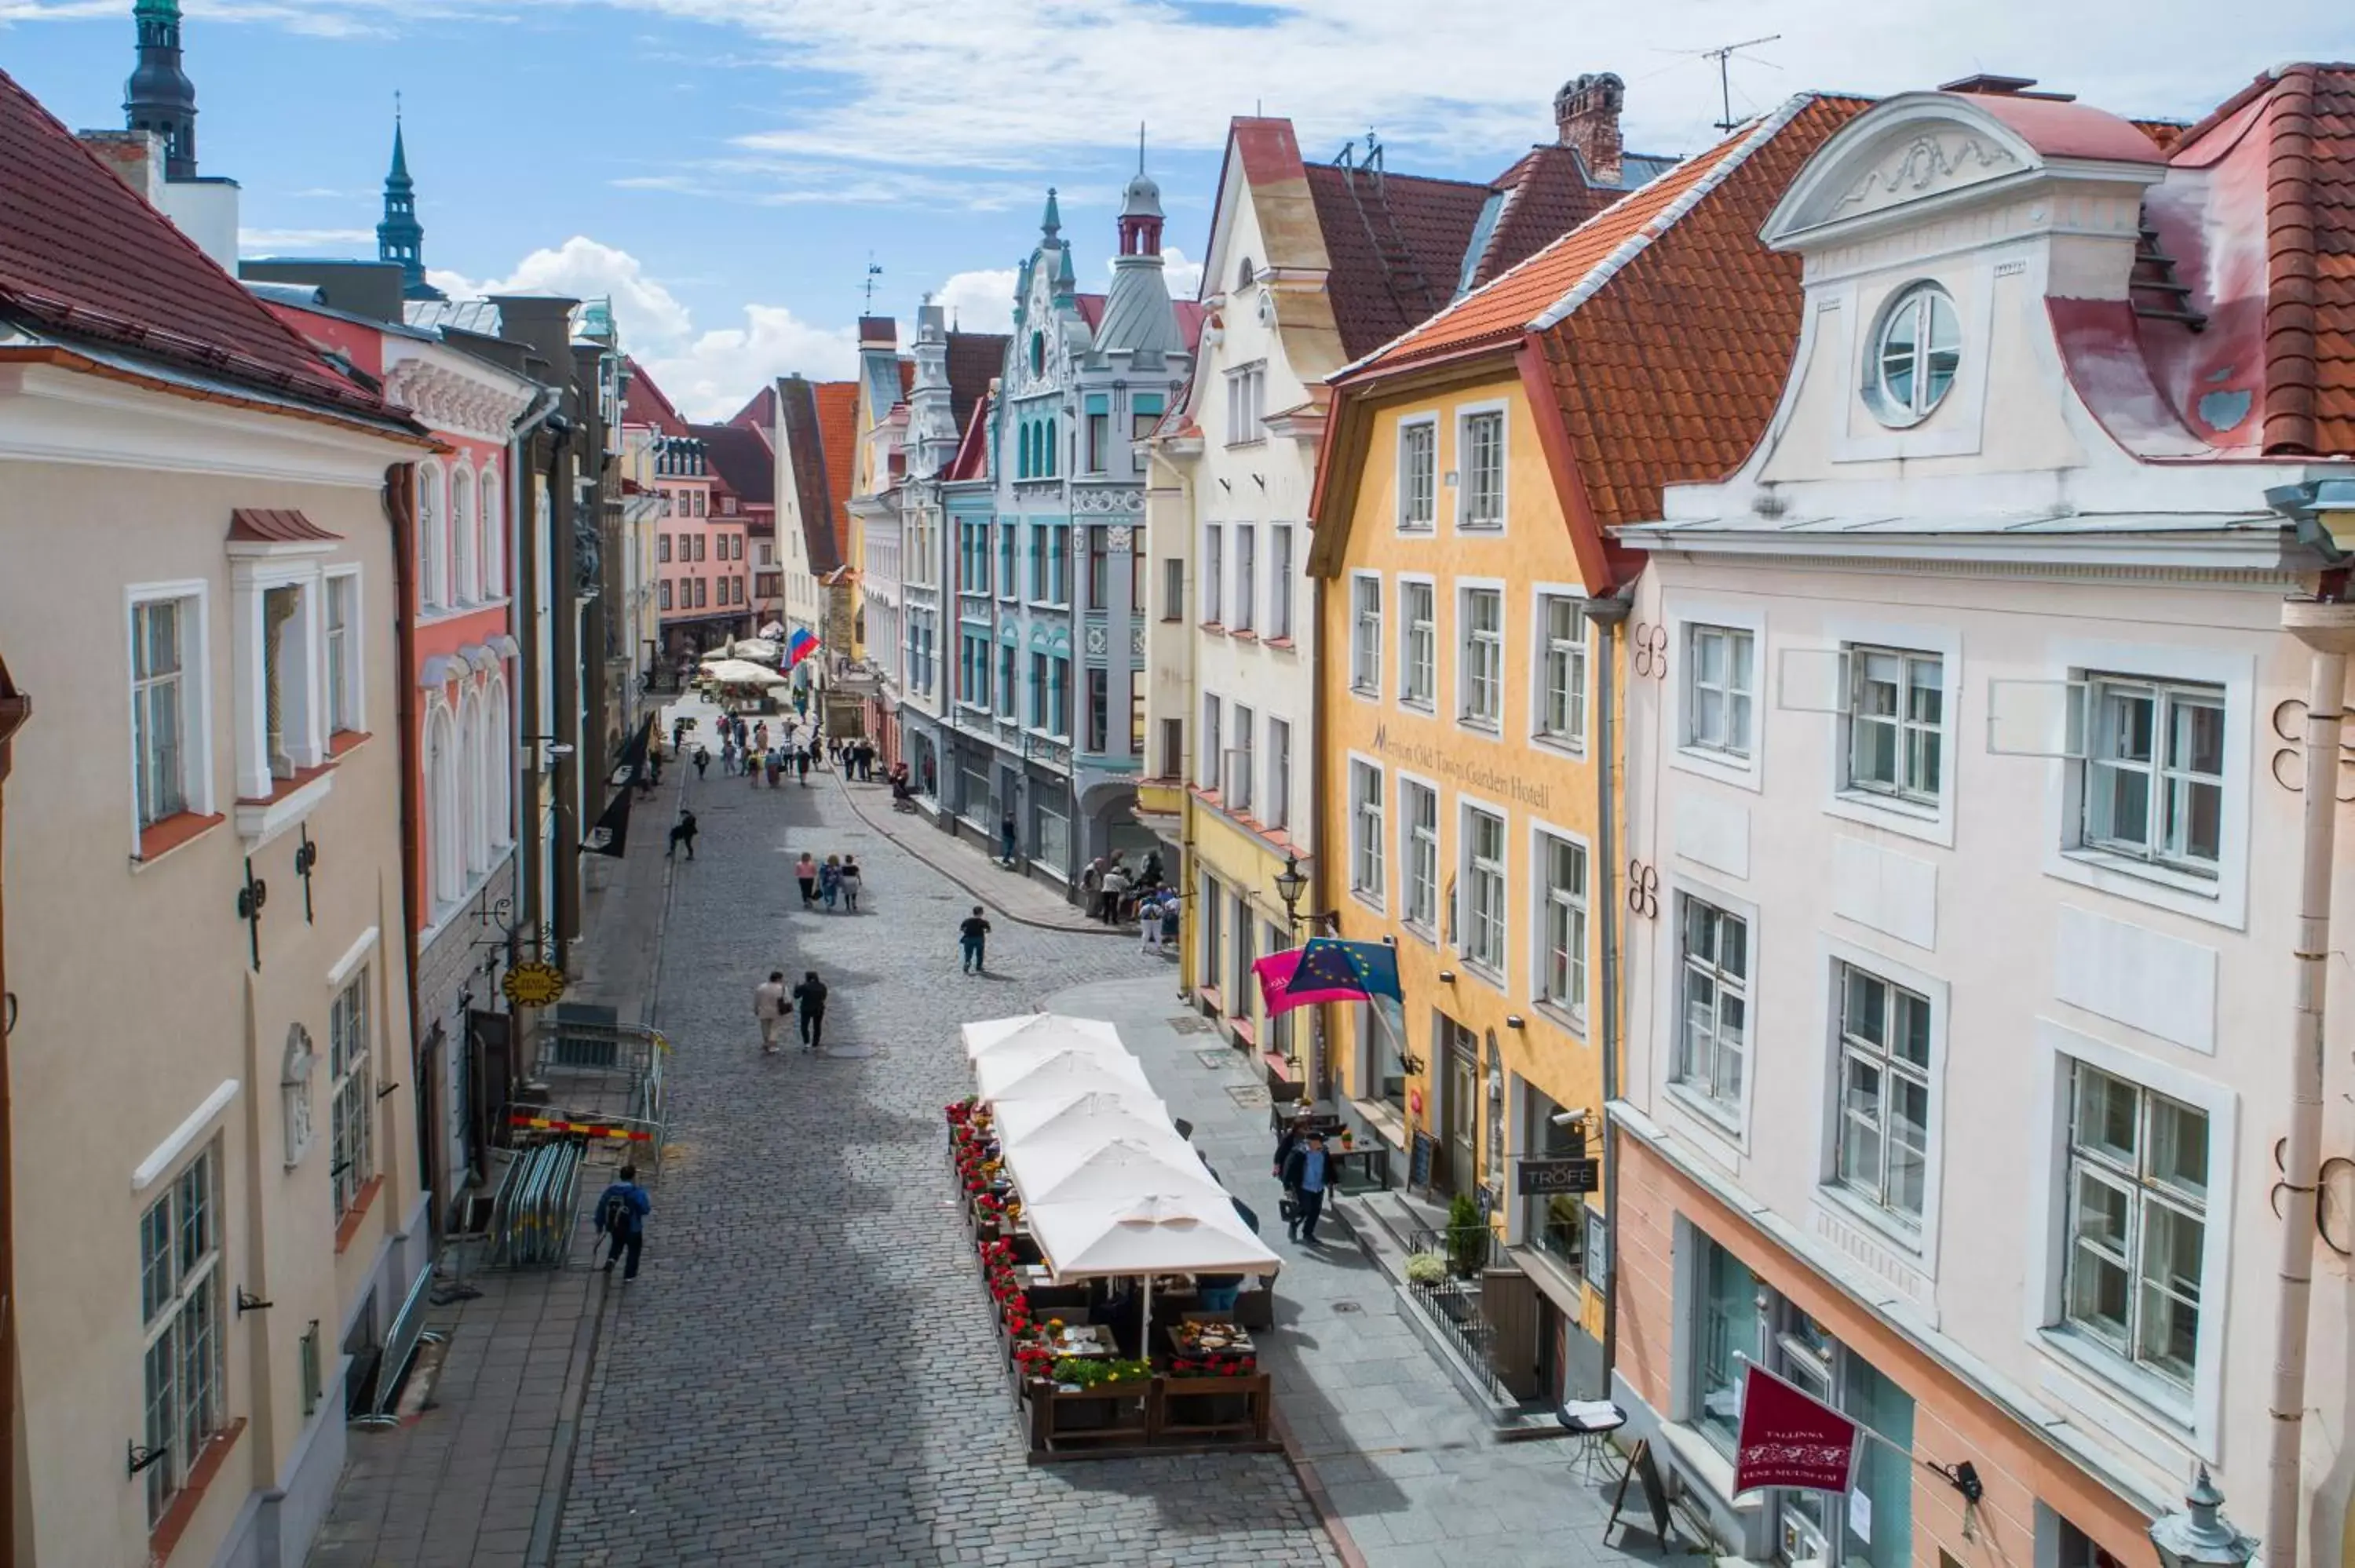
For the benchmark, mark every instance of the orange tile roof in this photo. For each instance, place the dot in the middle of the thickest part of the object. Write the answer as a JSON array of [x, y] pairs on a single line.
[[837, 434]]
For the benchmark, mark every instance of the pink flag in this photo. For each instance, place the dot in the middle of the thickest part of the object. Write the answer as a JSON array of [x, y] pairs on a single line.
[[1275, 973]]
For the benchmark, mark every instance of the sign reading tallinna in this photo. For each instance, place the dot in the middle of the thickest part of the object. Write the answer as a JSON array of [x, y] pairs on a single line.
[[1789, 1438]]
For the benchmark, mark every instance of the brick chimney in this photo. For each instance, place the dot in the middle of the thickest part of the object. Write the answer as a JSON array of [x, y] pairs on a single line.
[[1586, 118]]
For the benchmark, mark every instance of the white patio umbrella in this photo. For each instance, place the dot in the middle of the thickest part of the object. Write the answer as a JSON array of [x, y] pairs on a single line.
[[775, 628], [1097, 1116], [1183, 1231], [1061, 1073], [1047, 1173], [991, 1034], [757, 648], [741, 672]]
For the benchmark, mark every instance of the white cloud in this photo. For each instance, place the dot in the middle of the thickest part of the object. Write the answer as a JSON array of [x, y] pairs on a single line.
[[979, 301], [707, 373], [287, 241]]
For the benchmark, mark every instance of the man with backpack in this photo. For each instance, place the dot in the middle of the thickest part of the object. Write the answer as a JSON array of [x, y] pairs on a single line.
[[621, 1212]]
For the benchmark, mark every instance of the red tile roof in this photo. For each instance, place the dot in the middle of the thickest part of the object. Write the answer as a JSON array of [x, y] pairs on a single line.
[[760, 413], [798, 403], [838, 431], [1423, 225], [972, 460], [84, 258], [271, 525], [975, 358], [741, 459], [2310, 294], [643, 403], [1545, 196]]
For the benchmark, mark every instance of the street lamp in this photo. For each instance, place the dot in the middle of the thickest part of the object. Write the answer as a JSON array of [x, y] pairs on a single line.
[[2201, 1537], [1290, 884]]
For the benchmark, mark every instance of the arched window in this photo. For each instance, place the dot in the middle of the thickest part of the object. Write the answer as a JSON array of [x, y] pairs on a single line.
[[498, 730], [433, 538], [466, 544], [1246, 274], [445, 832], [475, 833], [494, 538]]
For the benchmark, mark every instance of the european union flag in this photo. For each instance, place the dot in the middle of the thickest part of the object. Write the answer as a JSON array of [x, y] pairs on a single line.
[[1327, 964]]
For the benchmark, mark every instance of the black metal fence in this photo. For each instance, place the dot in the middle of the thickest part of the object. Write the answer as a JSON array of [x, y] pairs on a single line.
[[1452, 1304]]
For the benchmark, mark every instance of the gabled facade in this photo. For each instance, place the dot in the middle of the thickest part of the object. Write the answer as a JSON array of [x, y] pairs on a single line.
[[703, 581], [1466, 699], [1964, 1037], [1047, 725]]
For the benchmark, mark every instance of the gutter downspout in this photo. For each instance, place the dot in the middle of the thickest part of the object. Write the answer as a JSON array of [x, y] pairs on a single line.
[[523, 624], [1610, 614], [2326, 625], [15, 710], [400, 511]]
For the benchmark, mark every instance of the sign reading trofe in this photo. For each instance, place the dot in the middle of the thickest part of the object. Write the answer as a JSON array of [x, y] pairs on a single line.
[[1789, 1438], [1541, 1177], [533, 984]]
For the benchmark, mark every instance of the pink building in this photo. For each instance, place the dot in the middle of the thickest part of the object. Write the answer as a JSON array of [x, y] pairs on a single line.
[[702, 579]]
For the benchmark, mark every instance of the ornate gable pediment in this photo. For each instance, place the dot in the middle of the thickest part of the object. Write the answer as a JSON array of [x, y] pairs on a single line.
[[1922, 151]]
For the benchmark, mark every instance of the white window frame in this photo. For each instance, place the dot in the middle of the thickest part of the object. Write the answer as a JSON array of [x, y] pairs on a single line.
[[1905, 789], [1414, 845], [166, 1308], [1246, 594], [1545, 900], [1503, 414], [1579, 656], [1366, 661], [1214, 573], [1247, 404], [1492, 962], [1932, 821], [349, 695], [196, 693], [1917, 1238], [1238, 790], [2140, 1401], [1731, 1124], [493, 513], [433, 538], [1369, 873], [1277, 808], [1427, 427], [2221, 900], [1213, 732], [465, 537], [351, 1090], [1427, 699], [1282, 567], [253, 576], [1744, 771], [1468, 661]]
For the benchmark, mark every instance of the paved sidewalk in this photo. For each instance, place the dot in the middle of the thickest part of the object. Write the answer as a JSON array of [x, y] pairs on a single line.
[[476, 1478], [1009, 893], [1410, 1470]]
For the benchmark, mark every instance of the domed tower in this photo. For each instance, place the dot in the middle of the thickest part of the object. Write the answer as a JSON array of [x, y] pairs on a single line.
[[159, 97], [1137, 317], [1140, 215]]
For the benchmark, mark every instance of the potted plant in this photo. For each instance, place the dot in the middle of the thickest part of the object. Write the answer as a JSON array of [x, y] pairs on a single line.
[[1425, 1267], [1468, 1237]]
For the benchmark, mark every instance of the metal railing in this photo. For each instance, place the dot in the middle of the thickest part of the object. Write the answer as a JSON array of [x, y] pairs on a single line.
[[1453, 1305], [409, 1331], [539, 1198]]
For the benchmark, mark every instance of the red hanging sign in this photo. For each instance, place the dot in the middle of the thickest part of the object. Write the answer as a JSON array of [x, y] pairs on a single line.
[[1790, 1439]]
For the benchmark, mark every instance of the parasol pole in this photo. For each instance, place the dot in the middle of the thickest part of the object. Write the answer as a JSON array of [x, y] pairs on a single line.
[[1145, 1325]]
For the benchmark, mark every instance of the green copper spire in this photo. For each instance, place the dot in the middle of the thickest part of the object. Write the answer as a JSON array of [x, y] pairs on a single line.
[[1066, 283], [400, 237], [1051, 224]]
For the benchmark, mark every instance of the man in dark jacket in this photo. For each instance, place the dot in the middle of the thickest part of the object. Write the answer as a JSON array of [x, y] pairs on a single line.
[[1304, 1180], [622, 1212], [809, 1002]]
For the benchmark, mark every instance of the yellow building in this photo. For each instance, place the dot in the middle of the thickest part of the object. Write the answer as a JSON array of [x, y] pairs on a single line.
[[1471, 601]]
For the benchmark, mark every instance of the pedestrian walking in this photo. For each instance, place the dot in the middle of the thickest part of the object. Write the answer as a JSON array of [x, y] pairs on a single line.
[[1171, 911], [830, 881], [622, 1212], [809, 1002], [682, 832], [1092, 886], [776, 765], [761, 736], [768, 1007], [1114, 893], [1303, 1180], [753, 765], [1005, 837], [972, 937], [645, 780], [801, 765], [806, 873], [702, 760], [851, 878], [727, 752], [1148, 923]]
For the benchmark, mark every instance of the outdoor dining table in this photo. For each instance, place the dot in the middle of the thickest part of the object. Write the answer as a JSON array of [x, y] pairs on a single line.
[[1082, 1341]]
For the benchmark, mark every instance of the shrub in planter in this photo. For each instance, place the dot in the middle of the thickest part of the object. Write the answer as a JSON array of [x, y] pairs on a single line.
[[1091, 1372], [1468, 1237], [1425, 1267]]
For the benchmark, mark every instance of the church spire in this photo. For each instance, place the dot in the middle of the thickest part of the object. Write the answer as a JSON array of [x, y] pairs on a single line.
[[400, 237], [159, 97], [1050, 223]]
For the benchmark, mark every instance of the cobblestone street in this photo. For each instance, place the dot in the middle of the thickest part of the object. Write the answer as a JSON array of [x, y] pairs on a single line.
[[805, 1371]]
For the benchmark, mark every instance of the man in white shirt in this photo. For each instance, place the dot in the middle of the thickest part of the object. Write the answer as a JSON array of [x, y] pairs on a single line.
[[768, 1007]]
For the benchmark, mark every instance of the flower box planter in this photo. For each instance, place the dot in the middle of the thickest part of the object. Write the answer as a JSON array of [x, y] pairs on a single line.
[[1189, 1409], [1114, 1415]]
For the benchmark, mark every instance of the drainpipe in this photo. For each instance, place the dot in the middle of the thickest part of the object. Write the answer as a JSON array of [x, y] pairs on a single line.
[[1610, 614], [400, 511], [15, 708], [522, 617]]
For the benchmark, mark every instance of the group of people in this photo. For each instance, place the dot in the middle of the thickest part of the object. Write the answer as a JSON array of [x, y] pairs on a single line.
[[835, 883], [772, 1003], [1116, 893]]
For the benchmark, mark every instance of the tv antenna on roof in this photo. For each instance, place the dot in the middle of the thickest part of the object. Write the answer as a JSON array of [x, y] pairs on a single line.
[[1722, 55], [873, 272]]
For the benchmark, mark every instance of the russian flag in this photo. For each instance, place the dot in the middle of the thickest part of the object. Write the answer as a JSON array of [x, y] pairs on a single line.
[[799, 646]]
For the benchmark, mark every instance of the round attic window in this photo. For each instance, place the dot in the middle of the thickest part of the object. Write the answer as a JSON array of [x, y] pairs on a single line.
[[1915, 352]]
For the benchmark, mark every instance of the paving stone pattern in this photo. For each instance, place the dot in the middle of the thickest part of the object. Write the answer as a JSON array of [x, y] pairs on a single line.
[[804, 1372]]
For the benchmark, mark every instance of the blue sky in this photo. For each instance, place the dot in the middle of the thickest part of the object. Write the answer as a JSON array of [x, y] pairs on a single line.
[[723, 167]]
